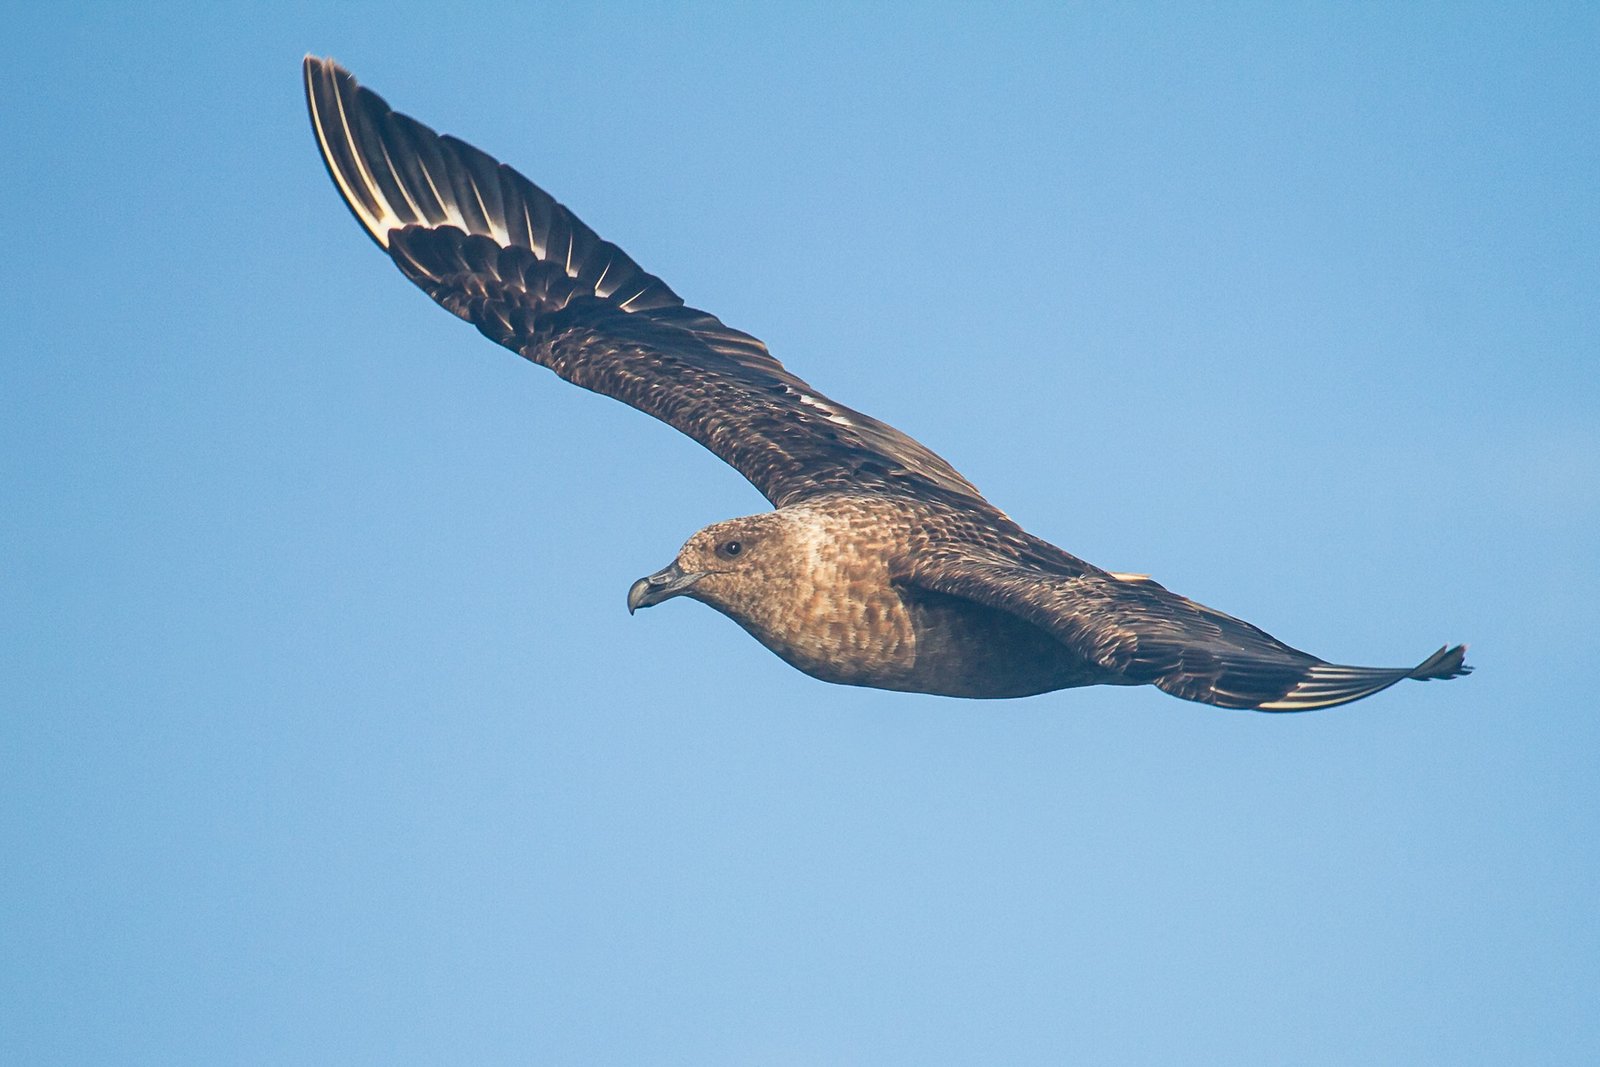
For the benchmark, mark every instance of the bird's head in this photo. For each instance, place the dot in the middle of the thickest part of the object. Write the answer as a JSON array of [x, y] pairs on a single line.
[[727, 564]]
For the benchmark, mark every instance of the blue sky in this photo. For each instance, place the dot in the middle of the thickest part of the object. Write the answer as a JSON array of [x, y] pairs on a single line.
[[325, 735]]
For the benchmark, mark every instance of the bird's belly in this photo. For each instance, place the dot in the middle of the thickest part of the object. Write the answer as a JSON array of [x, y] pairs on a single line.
[[969, 650], [931, 643]]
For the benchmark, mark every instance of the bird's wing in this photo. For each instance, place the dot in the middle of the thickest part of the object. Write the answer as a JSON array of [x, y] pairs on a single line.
[[1137, 628], [497, 250]]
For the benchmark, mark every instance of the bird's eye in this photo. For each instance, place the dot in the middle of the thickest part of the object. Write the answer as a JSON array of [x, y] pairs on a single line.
[[731, 548]]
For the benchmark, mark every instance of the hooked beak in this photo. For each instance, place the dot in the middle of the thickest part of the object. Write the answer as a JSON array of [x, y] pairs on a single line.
[[662, 585]]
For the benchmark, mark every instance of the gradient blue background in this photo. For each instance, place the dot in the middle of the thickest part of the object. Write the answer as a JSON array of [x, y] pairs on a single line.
[[325, 734]]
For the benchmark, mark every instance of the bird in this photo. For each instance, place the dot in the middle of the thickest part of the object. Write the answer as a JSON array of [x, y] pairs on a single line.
[[878, 565]]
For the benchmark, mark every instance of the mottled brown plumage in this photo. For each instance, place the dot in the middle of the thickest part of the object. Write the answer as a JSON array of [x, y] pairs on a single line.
[[880, 565]]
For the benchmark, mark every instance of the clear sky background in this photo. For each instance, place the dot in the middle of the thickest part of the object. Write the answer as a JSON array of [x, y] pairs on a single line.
[[325, 735]]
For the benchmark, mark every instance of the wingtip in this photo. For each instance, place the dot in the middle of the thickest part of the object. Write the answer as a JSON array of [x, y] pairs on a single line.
[[1328, 685], [1448, 662], [311, 60], [332, 98], [311, 65], [325, 69]]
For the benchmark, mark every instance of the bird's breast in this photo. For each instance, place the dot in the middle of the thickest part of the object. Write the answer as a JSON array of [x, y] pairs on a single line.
[[840, 628]]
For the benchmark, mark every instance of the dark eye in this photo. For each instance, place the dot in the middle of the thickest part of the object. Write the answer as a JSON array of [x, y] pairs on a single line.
[[730, 549]]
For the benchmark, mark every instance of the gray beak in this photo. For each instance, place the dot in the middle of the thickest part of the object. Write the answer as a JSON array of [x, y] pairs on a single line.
[[662, 585]]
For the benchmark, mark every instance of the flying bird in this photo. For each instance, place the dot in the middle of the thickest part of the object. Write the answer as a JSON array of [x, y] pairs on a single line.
[[879, 565]]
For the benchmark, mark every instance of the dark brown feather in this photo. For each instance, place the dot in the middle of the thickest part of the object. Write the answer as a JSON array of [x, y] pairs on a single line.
[[1144, 633], [497, 250]]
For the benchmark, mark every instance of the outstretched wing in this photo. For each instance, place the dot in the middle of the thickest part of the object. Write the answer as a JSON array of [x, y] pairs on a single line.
[[497, 250], [1140, 630]]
